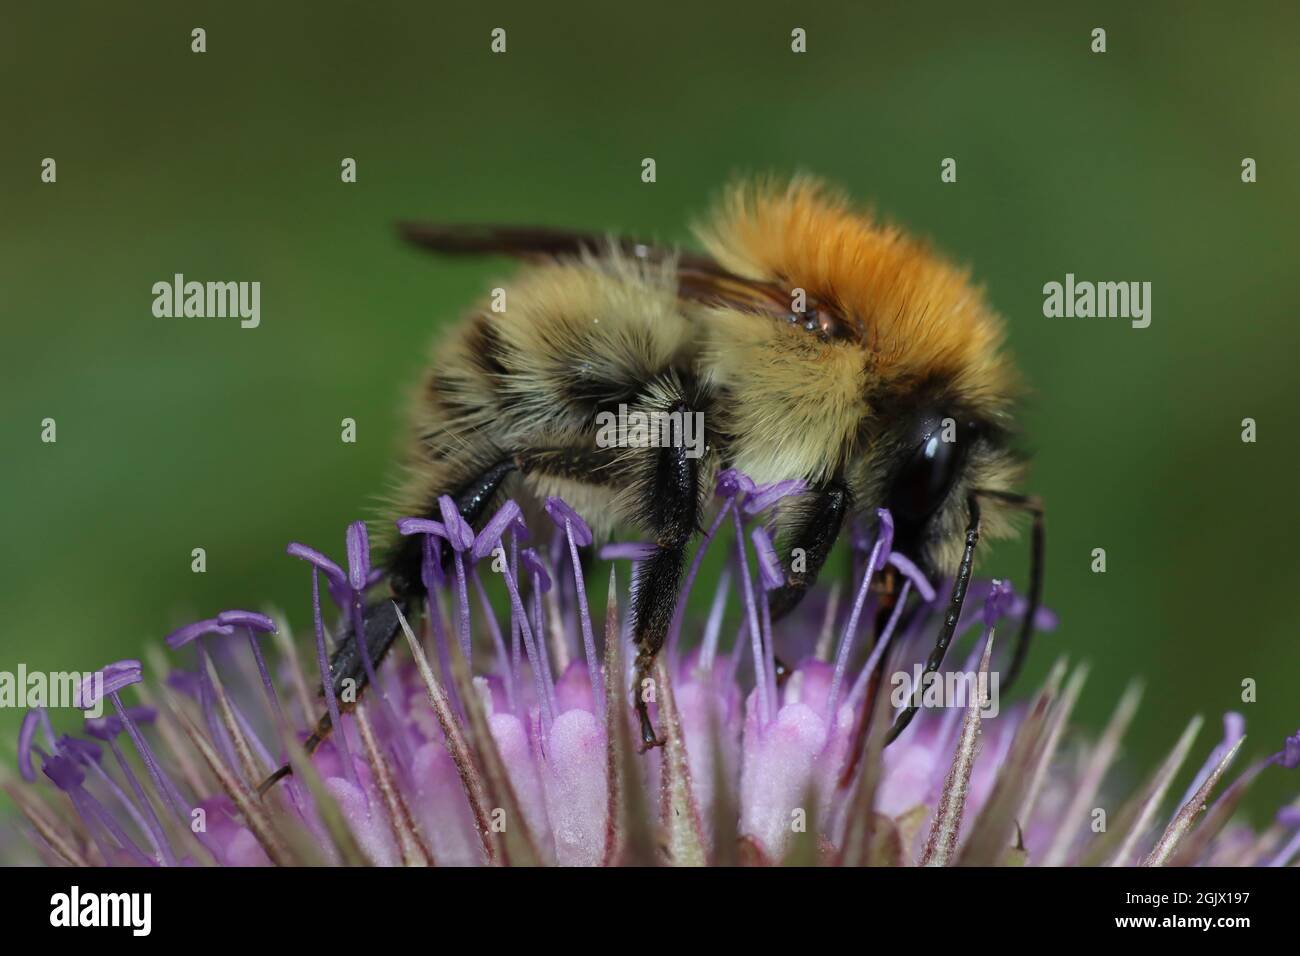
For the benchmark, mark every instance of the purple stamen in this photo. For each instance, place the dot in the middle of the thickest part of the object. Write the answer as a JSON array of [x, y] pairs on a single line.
[[335, 577], [517, 609], [120, 795], [533, 563], [162, 783], [535, 566], [255, 623], [910, 571], [886, 532], [68, 777], [508, 517], [769, 654], [194, 633], [462, 609], [433, 579], [249, 619], [1289, 755], [884, 539], [498, 642], [459, 534], [110, 726], [765, 705], [588, 636], [996, 605], [578, 533], [713, 627], [765, 496], [358, 546], [567, 637], [516, 653], [108, 681], [190, 632], [431, 575], [679, 611], [31, 720], [86, 754], [107, 729], [409, 526], [733, 483], [563, 514], [882, 643], [770, 574], [358, 549], [516, 637]]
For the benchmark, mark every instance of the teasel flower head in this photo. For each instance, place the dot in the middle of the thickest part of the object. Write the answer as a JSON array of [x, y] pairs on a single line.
[[506, 738]]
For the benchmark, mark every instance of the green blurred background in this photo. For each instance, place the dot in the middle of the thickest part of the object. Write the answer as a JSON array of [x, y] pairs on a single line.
[[183, 433]]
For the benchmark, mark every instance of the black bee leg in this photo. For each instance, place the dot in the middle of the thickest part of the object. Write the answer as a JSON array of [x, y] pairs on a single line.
[[347, 671], [816, 527], [347, 667], [472, 500], [670, 493], [944, 637], [656, 591]]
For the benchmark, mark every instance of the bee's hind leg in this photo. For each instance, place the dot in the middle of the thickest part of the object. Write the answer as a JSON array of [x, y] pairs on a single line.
[[347, 670]]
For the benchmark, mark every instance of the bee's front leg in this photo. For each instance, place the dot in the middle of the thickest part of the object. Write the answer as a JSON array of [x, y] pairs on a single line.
[[816, 525]]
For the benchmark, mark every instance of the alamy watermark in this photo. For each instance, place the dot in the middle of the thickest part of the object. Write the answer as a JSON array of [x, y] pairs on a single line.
[[209, 300], [53, 689], [1102, 300], [947, 689], [133, 911], [654, 429]]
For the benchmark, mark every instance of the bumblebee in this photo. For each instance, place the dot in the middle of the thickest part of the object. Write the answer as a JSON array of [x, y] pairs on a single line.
[[817, 343]]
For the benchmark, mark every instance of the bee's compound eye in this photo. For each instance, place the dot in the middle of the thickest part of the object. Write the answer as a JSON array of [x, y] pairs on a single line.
[[924, 481]]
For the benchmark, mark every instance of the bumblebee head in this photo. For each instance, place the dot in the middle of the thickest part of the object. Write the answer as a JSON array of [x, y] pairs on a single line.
[[928, 458], [917, 391]]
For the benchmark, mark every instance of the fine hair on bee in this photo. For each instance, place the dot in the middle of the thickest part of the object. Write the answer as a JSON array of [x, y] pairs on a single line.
[[817, 343]]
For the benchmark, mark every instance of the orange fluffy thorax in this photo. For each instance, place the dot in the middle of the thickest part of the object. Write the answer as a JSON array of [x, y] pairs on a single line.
[[919, 316]]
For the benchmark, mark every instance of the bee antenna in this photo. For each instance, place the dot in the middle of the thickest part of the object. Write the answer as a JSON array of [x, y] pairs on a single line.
[[944, 637]]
